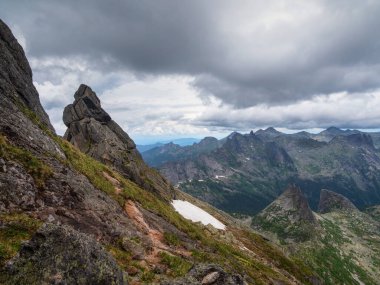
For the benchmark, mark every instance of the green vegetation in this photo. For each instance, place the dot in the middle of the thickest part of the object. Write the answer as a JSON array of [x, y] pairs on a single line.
[[177, 265], [172, 239], [34, 166], [14, 229]]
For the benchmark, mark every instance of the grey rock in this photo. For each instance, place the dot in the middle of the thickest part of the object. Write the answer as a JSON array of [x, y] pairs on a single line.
[[293, 202], [60, 255], [93, 131], [207, 274], [16, 75], [330, 201]]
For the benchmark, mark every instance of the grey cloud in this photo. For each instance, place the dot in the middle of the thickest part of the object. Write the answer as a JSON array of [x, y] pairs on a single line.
[[337, 49]]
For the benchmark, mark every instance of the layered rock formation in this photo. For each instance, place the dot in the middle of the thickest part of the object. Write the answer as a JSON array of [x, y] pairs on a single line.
[[93, 131], [330, 201]]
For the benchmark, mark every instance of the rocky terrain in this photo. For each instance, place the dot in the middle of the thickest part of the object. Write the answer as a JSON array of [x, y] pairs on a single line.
[[339, 242], [87, 210], [247, 172]]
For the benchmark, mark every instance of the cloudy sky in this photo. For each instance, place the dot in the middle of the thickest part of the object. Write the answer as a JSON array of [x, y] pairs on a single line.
[[169, 68]]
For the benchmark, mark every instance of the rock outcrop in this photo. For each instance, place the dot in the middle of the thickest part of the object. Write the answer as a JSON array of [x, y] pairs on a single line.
[[60, 255], [16, 82], [293, 202], [289, 217], [93, 131], [330, 201], [207, 274]]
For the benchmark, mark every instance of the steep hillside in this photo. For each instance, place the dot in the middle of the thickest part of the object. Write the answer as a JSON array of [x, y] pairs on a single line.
[[68, 218], [341, 243]]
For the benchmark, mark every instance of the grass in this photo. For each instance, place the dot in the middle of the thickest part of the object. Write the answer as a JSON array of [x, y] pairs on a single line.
[[34, 166], [177, 265], [171, 239], [14, 229]]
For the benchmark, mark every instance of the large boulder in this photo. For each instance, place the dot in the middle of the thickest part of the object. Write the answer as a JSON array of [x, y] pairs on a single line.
[[207, 274], [58, 254], [92, 130]]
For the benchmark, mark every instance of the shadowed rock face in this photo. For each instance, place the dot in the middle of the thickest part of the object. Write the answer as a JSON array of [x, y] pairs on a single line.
[[93, 131], [331, 201], [61, 255], [16, 76]]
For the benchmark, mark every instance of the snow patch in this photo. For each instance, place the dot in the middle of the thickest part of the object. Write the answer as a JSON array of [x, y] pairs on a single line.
[[196, 214], [219, 176]]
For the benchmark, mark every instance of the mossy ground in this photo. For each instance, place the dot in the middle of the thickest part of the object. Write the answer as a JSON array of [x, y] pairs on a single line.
[[34, 166], [14, 229]]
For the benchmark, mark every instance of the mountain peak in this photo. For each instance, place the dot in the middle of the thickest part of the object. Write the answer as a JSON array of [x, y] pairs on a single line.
[[293, 200], [86, 105], [331, 201]]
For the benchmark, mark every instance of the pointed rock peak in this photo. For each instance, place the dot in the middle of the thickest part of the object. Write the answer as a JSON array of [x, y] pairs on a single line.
[[272, 130], [93, 131], [331, 201], [86, 105], [293, 200], [333, 129]]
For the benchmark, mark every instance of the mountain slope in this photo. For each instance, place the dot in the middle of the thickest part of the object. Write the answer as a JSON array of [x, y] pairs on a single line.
[[243, 175], [341, 244], [55, 198]]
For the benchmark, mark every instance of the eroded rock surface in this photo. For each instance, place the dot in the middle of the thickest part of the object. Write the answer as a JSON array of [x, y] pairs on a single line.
[[58, 254], [207, 274], [93, 131]]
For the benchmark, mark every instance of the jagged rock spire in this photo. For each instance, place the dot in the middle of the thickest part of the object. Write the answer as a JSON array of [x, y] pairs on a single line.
[[92, 130]]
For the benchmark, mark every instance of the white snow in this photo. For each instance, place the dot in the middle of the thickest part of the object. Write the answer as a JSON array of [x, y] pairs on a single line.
[[219, 176], [196, 214]]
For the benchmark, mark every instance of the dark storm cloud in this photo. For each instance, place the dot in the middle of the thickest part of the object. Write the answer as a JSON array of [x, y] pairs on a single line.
[[243, 52]]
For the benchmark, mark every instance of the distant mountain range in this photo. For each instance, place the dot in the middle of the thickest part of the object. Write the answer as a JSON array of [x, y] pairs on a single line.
[[180, 142], [245, 172]]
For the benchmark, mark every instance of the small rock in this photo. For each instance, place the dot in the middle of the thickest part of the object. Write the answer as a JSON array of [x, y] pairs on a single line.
[[210, 278]]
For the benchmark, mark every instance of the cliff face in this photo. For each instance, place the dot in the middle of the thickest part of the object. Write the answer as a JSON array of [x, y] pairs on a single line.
[[93, 131]]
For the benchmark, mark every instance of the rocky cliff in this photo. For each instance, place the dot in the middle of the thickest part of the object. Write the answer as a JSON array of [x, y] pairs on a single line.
[[92, 130]]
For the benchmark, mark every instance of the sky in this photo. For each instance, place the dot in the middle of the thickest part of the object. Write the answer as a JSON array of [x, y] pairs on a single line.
[[168, 69]]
